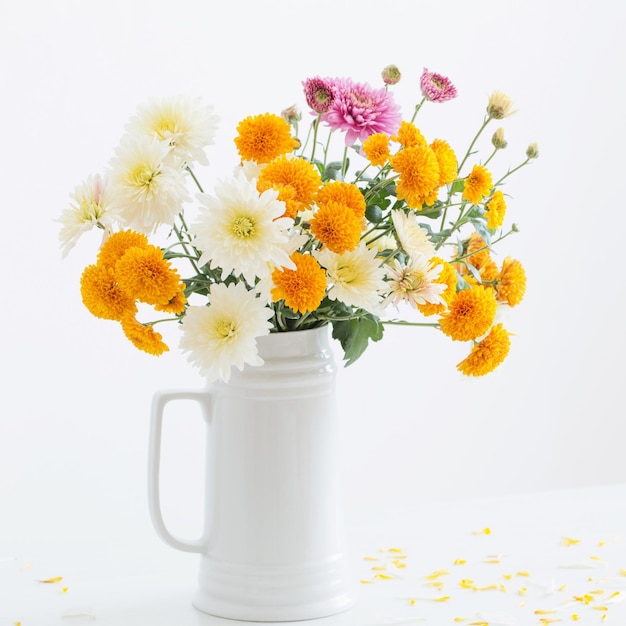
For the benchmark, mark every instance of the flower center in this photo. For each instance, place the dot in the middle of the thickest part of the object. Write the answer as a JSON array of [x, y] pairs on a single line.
[[225, 329], [243, 227], [90, 211], [143, 175], [345, 274], [412, 281], [165, 127]]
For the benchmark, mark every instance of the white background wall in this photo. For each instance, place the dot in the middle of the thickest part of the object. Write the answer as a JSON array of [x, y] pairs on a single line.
[[75, 393]]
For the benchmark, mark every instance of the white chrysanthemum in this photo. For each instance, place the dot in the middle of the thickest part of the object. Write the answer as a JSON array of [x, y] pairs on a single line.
[[380, 244], [185, 124], [146, 190], [414, 284], [250, 169], [90, 206], [242, 231], [355, 277], [413, 238], [223, 334]]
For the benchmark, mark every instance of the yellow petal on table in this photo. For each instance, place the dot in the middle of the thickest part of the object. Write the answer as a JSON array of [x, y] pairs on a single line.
[[461, 619], [459, 562], [522, 573], [437, 574], [365, 582], [484, 531], [544, 612], [26, 566], [434, 583], [441, 599], [569, 541], [56, 579], [613, 595], [600, 608], [575, 617], [383, 576], [622, 572]]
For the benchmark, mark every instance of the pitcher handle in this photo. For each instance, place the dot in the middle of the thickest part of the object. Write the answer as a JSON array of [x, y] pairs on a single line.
[[159, 401]]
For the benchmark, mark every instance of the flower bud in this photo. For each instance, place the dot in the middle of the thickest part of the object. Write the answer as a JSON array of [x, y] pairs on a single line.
[[532, 152], [515, 228], [499, 106], [291, 114], [498, 140], [391, 75]]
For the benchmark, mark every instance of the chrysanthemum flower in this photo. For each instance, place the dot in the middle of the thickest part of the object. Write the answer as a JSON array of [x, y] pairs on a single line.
[[446, 160], [91, 206], [419, 174], [409, 136], [296, 180], [223, 334], [496, 209], [240, 230], [147, 191], [511, 282], [302, 289], [361, 111], [413, 238], [264, 137], [355, 278], [391, 75], [337, 227], [499, 106], [436, 88], [185, 124], [176, 304], [487, 354], [376, 149], [470, 314], [498, 139], [143, 336], [102, 295], [478, 184], [146, 276], [116, 245], [477, 250], [343, 193], [448, 278], [319, 93], [414, 283]]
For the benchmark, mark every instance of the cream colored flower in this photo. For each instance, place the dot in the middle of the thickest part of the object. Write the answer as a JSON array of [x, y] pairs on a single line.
[[147, 192], [355, 278], [185, 124], [90, 207], [413, 238], [223, 334], [414, 283], [242, 231], [500, 106]]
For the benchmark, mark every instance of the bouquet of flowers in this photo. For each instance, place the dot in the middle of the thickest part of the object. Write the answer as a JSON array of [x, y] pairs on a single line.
[[296, 238]]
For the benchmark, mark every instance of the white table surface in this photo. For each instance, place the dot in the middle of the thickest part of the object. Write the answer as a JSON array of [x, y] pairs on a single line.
[[523, 565]]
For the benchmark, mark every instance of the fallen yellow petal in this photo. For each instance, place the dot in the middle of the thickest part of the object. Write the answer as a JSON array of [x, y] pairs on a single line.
[[484, 531], [549, 620], [622, 572], [383, 576], [56, 579], [507, 576], [461, 619], [441, 599], [370, 558], [64, 590], [522, 591], [568, 541], [436, 574], [379, 568], [434, 583], [412, 601], [562, 588], [459, 562], [399, 564], [492, 561], [574, 617], [466, 583], [395, 550], [363, 581], [613, 595], [27, 566], [544, 612], [597, 592], [522, 574], [600, 608]]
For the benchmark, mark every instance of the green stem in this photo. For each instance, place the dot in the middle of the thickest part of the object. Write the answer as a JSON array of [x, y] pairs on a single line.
[[195, 180], [417, 108], [316, 124], [402, 323], [471, 146], [512, 171]]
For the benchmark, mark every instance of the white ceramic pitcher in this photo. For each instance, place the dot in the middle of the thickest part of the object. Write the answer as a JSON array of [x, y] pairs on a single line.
[[273, 543]]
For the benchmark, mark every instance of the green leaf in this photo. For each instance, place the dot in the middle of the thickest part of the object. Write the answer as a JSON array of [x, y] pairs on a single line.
[[374, 213], [482, 230], [354, 335], [458, 186]]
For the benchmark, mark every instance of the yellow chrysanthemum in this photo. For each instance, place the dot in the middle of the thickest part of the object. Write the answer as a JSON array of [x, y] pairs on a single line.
[[176, 304], [496, 208], [487, 354], [262, 138], [478, 184], [337, 227], [409, 136], [376, 149], [470, 314], [143, 336], [511, 282], [343, 193], [302, 289], [419, 174], [114, 247], [102, 295], [295, 179], [488, 270], [446, 160], [145, 275], [477, 249], [446, 277]]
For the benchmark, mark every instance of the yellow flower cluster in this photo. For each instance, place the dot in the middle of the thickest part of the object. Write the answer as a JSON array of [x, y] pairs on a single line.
[[129, 270]]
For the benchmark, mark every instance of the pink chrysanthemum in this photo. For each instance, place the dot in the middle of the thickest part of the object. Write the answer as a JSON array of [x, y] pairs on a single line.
[[319, 93], [436, 88], [362, 111]]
